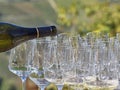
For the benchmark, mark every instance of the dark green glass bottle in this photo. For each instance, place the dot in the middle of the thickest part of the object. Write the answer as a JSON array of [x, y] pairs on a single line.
[[11, 35]]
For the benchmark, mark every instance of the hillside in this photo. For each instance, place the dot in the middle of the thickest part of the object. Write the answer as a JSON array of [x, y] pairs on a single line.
[[27, 13]]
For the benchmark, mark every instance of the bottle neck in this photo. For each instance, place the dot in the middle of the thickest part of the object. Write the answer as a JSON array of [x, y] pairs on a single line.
[[46, 31], [37, 32], [22, 34]]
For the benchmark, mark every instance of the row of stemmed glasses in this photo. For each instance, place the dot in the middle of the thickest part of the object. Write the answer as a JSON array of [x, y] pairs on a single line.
[[39, 60], [90, 62], [26, 60], [97, 59]]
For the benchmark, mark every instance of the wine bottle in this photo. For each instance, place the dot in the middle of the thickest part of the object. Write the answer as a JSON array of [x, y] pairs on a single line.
[[11, 35]]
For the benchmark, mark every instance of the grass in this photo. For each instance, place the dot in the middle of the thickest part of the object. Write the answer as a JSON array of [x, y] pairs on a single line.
[[28, 13], [8, 77], [3, 64]]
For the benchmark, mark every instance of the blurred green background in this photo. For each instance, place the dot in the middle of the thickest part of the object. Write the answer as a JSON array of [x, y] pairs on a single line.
[[73, 16]]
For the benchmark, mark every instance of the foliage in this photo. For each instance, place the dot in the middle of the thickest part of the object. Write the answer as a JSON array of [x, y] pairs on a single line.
[[82, 16]]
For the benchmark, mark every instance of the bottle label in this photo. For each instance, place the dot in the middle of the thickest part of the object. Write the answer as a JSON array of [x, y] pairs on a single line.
[[38, 34]]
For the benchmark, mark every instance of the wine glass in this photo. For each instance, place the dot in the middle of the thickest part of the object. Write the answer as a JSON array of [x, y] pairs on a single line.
[[41, 53], [52, 68], [105, 66], [117, 43], [20, 60], [82, 66], [58, 61]]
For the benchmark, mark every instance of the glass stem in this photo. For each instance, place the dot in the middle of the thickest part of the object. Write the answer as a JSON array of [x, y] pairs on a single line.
[[59, 87], [42, 87], [23, 84]]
